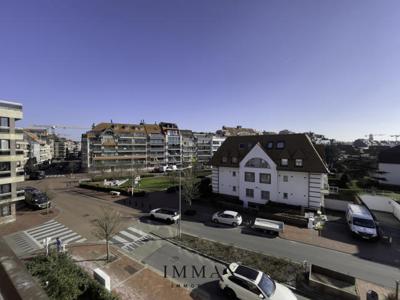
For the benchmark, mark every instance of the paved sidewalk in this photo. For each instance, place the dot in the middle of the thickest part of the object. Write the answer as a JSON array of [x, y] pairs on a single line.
[[27, 219], [129, 278]]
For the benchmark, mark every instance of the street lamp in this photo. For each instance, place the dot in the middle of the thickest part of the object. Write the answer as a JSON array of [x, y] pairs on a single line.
[[180, 199]]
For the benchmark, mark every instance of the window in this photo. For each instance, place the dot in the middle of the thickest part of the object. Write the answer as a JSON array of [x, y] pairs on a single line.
[[265, 178], [234, 159], [233, 173], [4, 144], [241, 146], [270, 145], [285, 195], [257, 162], [5, 188], [284, 162], [249, 176], [5, 210], [239, 282], [250, 193], [280, 145], [224, 159], [265, 195], [5, 166], [285, 178], [4, 122], [299, 162], [234, 189]]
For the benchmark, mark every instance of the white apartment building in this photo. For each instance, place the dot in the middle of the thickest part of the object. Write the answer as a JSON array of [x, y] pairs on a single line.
[[11, 160], [389, 166], [38, 150], [279, 168]]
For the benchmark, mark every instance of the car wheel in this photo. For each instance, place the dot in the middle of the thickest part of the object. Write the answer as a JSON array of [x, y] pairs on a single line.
[[152, 216], [229, 293], [215, 221], [234, 224], [169, 221]]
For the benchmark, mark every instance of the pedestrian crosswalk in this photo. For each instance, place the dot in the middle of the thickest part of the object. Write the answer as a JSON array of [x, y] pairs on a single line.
[[131, 238], [54, 229]]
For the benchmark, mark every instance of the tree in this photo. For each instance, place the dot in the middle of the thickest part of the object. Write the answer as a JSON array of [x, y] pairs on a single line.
[[190, 186], [173, 178], [106, 226]]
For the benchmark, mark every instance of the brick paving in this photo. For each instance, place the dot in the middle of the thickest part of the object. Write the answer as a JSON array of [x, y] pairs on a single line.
[[129, 278], [27, 219]]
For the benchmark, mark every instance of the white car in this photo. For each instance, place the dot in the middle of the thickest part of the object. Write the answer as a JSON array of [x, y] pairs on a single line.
[[227, 217], [166, 214], [245, 283]]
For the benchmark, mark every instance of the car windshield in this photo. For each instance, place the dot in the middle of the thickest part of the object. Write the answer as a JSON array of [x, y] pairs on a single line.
[[267, 285], [363, 222]]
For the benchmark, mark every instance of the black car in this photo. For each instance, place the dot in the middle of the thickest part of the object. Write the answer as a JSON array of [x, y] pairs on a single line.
[[36, 199], [37, 175]]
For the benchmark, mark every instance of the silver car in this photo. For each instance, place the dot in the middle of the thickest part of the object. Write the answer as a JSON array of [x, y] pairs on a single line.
[[227, 217]]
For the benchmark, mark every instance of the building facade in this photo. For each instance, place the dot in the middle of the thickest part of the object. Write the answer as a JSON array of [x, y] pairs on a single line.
[[11, 160], [188, 147], [389, 166], [278, 168]]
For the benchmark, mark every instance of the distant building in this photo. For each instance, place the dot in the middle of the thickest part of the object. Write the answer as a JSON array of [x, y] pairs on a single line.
[[235, 131], [38, 150], [279, 168], [11, 165], [389, 166], [188, 147], [173, 143]]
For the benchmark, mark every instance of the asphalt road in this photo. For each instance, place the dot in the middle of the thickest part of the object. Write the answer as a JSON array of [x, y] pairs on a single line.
[[370, 271]]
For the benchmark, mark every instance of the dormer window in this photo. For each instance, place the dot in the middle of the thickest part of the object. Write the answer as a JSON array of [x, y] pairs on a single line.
[[284, 162], [270, 145], [241, 146], [224, 159], [280, 145], [234, 159], [299, 162]]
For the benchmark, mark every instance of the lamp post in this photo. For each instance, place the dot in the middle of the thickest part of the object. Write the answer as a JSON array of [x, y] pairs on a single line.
[[180, 199]]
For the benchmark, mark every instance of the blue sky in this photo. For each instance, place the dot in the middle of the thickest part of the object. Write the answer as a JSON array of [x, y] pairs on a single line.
[[332, 66]]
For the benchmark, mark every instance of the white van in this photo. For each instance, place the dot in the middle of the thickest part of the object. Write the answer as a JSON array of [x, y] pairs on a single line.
[[361, 222]]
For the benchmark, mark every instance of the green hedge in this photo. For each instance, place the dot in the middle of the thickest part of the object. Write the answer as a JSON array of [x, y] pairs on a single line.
[[62, 279], [109, 189]]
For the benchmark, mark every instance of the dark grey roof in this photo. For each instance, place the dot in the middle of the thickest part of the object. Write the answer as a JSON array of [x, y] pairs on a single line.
[[295, 146], [390, 156]]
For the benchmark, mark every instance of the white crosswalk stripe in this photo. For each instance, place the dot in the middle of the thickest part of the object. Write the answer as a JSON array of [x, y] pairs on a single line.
[[131, 238], [53, 229]]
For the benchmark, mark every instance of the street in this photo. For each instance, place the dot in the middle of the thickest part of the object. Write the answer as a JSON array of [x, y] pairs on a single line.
[[78, 209]]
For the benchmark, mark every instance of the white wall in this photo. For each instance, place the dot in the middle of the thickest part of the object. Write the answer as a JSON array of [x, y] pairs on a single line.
[[393, 173], [227, 181], [336, 204], [381, 203], [257, 151], [296, 187]]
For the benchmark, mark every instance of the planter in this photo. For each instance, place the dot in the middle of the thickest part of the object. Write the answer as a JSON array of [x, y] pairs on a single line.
[[334, 284]]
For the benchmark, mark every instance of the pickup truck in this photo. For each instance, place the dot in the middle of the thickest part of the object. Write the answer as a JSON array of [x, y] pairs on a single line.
[[265, 226]]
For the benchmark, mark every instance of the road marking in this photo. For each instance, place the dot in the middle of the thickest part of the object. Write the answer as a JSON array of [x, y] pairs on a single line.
[[53, 229]]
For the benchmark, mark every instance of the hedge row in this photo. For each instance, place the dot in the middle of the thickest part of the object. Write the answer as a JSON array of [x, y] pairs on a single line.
[[62, 279], [109, 189]]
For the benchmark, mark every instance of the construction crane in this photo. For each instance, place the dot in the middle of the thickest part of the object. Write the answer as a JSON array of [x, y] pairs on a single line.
[[53, 128], [395, 136]]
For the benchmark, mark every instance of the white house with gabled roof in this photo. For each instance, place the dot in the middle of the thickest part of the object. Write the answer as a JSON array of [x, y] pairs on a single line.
[[280, 168]]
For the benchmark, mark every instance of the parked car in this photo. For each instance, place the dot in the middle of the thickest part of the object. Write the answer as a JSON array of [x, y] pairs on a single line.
[[361, 222], [166, 214], [36, 199], [245, 283], [37, 175], [227, 217]]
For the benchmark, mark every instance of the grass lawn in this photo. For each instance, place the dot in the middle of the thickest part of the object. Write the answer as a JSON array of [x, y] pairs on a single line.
[[282, 270]]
